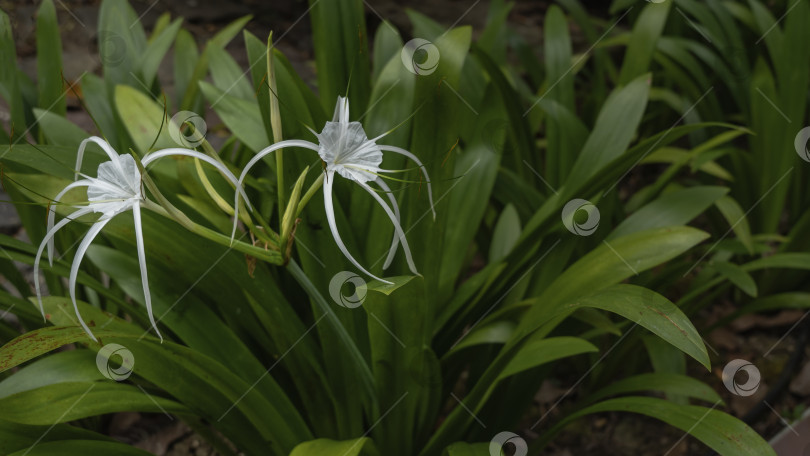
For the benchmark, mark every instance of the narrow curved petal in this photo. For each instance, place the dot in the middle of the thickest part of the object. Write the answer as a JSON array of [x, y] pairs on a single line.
[[330, 218], [397, 226], [401, 151], [48, 240], [193, 153], [341, 110], [52, 211], [136, 215], [395, 242], [74, 269], [104, 146], [263, 153]]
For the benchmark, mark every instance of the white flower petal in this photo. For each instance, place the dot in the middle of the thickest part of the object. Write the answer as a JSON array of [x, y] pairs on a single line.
[[52, 211], [346, 149], [341, 110], [74, 269], [122, 172], [397, 226], [117, 186], [104, 146], [193, 153], [395, 242], [136, 215], [330, 218], [401, 151], [48, 240], [263, 153]]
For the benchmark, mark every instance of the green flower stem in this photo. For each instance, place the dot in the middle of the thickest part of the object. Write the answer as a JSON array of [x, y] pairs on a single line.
[[267, 235], [275, 124], [270, 256], [309, 194], [167, 209]]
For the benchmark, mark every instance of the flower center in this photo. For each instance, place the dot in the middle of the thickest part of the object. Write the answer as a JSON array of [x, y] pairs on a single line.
[[345, 148]]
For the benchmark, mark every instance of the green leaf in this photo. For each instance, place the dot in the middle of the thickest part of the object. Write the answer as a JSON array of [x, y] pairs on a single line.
[[646, 31], [68, 401], [676, 384], [563, 143], [468, 449], [9, 86], [121, 41], [505, 235], [216, 393], [542, 351], [227, 75], [737, 219], [675, 208], [721, 432], [387, 46], [144, 119], [49, 60], [498, 332], [737, 275], [326, 447], [609, 264], [241, 116], [341, 51], [58, 130], [787, 260], [65, 366], [614, 130], [652, 311], [15, 437], [149, 61], [97, 99], [40, 341], [190, 97], [186, 56], [388, 288]]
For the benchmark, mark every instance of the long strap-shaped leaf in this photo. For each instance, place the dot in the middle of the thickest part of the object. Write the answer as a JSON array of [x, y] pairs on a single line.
[[361, 368]]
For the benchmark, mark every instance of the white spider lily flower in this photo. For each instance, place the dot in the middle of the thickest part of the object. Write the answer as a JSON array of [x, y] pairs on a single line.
[[346, 150], [116, 189]]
